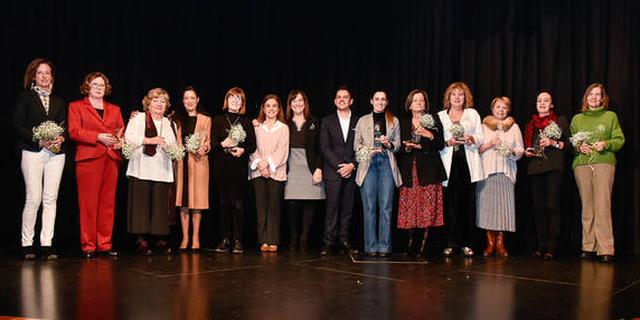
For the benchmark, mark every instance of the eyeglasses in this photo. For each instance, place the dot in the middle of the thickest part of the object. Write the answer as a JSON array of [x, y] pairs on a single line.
[[97, 85]]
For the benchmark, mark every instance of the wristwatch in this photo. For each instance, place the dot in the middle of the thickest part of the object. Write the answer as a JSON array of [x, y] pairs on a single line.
[[557, 145]]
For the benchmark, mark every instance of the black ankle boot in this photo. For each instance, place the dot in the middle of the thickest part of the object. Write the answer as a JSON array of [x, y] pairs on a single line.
[[223, 246]]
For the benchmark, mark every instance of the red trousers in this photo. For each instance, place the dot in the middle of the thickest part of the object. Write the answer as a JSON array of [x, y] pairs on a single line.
[[97, 182]]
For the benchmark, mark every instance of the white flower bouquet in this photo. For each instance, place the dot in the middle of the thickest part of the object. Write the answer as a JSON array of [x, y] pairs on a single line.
[[457, 131], [48, 131], [362, 154], [192, 142], [504, 149], [174, 151], [427, 122], [237, 133], [128, 149], [551, 131]]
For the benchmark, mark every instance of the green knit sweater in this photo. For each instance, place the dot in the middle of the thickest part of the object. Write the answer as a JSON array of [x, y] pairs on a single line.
[[604, 126]]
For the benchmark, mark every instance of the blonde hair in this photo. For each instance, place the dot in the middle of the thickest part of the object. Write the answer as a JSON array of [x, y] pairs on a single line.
[[504, 99], [156, 93], [468, 97]]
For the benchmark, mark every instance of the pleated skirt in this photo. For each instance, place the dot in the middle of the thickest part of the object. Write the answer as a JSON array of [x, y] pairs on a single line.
[[495, 203]]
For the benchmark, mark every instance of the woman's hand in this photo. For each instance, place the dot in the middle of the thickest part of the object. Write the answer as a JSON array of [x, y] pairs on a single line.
[[265, 172], [107, 139], [585, 149], [263, 164], [468, 139], [529, 153], [317, 176], [237, 152], [157, 140], [227, 143], [494, 142], [202, 151], [599, 146], [385, 141], [424, 132], [408, 145], [255, 123], [454, 142]]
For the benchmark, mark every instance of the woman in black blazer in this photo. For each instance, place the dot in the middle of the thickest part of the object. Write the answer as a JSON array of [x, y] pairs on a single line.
[[304, 179], [42, 162], [420, 202]]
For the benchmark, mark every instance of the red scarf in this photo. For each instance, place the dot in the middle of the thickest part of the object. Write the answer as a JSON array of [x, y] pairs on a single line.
[[539, 123]]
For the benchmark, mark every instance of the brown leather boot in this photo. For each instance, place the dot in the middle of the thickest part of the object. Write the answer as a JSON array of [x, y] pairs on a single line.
[[501, 251], [491, 243]]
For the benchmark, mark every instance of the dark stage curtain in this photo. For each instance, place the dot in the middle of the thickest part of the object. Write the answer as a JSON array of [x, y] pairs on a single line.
[[512, 48]]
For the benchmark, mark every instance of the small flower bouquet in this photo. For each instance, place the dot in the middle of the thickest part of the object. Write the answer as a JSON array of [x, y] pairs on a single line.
[[504, 149], [427, 122], [48, 131], [128, 149], [580, 138], [551, 131], [457, 130], [192, 142], [362, 154], [237, 133], [174, 151]]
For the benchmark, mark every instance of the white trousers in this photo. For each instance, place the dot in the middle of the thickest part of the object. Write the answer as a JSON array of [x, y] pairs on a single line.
[[42, 172]]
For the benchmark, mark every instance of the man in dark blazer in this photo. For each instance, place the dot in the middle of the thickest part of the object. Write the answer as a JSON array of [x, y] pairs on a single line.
[[337, 133]]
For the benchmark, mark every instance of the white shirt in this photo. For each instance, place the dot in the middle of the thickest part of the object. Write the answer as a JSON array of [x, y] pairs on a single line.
[[157, 167], [344, 125]]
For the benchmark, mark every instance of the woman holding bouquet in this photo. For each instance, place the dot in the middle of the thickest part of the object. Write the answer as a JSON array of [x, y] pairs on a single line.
[[377, 138], [150, 172], [420, 203], [192, 187], [463, 136], [232, 141], [42, 160], [546, 139], [304, 180], [594, 167], [495, 198], [268, 170], [97, 127]]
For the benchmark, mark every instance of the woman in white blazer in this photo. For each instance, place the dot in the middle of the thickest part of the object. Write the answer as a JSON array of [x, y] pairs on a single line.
[[463, 136], [377, 138]]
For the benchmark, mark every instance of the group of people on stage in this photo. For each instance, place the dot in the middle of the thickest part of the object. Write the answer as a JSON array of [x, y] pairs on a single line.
[[452, 168]]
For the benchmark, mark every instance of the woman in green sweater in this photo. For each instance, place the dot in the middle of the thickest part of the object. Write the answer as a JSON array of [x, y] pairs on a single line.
[[596, 136]]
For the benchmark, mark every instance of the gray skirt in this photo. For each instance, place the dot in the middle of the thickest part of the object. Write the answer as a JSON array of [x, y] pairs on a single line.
[[299, 180], [495, 203]]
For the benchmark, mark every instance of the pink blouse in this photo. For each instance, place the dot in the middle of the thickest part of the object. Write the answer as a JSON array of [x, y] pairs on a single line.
[[272, 146]]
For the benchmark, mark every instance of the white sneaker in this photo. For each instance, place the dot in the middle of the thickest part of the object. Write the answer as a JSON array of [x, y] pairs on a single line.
[[467, 251], [448, 251]]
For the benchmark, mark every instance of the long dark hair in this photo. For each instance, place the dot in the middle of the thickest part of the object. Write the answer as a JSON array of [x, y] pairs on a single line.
[[180, 113]]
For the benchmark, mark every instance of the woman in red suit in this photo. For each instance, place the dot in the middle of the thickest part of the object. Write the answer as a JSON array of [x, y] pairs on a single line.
[[96, 126]]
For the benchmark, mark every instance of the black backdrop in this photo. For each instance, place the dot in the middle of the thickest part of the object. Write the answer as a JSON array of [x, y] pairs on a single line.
[[512, 48]]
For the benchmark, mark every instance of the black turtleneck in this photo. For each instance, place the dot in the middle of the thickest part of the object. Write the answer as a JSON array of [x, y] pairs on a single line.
[[379, 118]]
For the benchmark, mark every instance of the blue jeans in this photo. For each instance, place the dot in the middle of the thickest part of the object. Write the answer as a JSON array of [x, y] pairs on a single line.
[[377, 192]]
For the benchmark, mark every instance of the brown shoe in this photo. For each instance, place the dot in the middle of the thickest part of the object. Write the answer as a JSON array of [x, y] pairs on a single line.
[[491, 243], [273, 248], [501, 250], [264, 247]]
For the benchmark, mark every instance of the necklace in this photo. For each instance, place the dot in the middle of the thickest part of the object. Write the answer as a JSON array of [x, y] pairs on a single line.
[[234, 122]]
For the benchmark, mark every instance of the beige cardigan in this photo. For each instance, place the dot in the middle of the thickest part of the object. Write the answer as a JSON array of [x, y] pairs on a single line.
[[364, 138], [198, 167]]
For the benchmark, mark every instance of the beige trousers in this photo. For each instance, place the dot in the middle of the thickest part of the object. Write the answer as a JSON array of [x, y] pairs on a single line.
[[595, 194]]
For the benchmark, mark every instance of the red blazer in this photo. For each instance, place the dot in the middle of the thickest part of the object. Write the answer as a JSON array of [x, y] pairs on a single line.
[[85, 124]]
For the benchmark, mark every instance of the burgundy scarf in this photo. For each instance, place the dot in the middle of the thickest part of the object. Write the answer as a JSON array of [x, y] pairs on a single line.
[[149, 132], [539, 123]]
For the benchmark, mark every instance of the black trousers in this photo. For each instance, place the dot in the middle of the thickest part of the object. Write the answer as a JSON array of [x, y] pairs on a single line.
[[269, 197], [339, 210], [231, 206], [545, 194], [300, 210], [459, 202], [148, 207]]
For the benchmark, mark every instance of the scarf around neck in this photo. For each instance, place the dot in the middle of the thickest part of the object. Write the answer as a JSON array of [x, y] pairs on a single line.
[[539, 123]]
